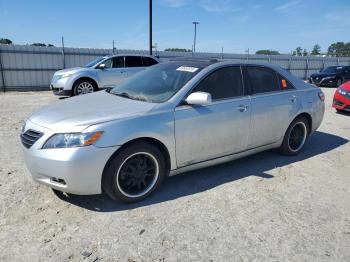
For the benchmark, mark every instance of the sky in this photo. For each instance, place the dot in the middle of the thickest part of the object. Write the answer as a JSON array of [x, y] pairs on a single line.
[[234, 25]]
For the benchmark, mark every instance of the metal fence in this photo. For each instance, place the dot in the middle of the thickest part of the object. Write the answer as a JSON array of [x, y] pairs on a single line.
[[24, 67]]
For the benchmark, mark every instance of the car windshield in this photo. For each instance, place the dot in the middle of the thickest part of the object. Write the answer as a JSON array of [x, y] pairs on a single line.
[[158, 83], [332, 69], [95, 62]]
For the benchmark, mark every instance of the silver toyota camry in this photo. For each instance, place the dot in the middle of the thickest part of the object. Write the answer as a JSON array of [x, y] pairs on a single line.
[[171, 118]]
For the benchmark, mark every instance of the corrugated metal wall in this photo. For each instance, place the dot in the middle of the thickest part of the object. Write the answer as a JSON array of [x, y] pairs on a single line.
[[29, 67]]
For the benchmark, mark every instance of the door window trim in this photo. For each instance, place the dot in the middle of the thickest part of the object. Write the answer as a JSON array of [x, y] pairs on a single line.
[[183, 102], [277, 75]]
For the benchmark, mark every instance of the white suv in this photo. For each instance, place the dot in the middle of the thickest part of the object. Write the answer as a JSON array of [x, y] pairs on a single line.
[[101, 73]]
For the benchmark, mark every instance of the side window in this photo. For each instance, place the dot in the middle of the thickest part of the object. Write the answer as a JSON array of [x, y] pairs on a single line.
[[133, 61], [223, 83], [118, 62], [148, 61], [108, 63], [261, 79], [284, 83]]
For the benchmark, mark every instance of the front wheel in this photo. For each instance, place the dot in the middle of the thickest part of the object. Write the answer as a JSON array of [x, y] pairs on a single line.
[[339, 82], [295, 137], [134, 173], [82, 87]]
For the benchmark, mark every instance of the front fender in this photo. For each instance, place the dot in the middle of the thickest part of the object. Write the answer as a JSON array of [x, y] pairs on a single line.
[[76, 76], [159, 126]]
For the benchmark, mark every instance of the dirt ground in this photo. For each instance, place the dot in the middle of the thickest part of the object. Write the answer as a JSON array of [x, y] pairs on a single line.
[[266, 207]]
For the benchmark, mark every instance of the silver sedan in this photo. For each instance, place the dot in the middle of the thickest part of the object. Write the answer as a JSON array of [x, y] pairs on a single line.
[[171, 118]]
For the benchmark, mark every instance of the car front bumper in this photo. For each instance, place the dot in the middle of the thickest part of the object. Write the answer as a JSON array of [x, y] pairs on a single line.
[[324, 82], [72, 170], [61, 86], [59, 91], [341, 102]]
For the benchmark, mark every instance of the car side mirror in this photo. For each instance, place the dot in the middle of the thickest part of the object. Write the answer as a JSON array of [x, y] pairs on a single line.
[[199, 98], [101, 66]]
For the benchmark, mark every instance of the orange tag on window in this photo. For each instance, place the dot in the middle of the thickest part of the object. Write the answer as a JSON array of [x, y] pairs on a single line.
[[284, 83]]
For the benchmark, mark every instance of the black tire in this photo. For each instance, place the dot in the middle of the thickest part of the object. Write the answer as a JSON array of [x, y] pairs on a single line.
[[116, 180], [290, 142], [339, 82], [90, 87]]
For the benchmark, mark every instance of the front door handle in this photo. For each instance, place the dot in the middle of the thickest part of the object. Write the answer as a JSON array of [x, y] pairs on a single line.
[[293, 98], [242, 108]]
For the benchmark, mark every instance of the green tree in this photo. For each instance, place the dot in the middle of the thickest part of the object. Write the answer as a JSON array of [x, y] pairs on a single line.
[[267, 52], [38, 44], [305, 52], [316, 50], [339, 49], [298, 51], [178, 49], [5, 41]]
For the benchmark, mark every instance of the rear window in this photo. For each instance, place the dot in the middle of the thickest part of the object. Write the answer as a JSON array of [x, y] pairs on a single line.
[[284, 83], [261, 79], [148, 61]]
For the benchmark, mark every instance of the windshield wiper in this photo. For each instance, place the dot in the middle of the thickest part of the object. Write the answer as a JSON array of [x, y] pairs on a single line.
[[126, 95]]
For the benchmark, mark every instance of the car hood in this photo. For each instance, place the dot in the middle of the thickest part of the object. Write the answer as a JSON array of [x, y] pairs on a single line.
[[322, 75], [76, 113], [71, 70]]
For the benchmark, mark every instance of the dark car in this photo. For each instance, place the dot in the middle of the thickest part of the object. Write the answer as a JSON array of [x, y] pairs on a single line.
[[331, 76]]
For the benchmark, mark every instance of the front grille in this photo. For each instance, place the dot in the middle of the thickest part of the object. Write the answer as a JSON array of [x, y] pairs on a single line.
[[29, 137], [337, 103]]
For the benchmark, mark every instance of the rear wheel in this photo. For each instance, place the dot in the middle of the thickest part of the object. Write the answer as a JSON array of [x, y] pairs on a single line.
[[83, 86], [134, 173], [295, 137]]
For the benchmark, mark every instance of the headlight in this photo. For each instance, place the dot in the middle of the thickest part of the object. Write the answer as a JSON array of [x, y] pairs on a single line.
[[342, 91], [66, 75], [72, 140]]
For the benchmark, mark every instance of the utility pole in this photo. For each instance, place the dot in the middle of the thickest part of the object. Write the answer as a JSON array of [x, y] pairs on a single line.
[[63, 55], [150, 27], [113, 48], [195, 35]]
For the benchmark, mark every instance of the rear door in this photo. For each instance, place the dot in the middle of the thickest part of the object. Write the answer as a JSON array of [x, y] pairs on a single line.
[[148, 61], [218, 129], [274, 102], [133, 65]]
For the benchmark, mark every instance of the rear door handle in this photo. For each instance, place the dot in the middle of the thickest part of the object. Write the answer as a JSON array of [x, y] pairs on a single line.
[[242, 108], [293, 98]]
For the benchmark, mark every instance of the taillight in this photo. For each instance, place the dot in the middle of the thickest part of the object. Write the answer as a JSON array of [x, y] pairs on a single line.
[[321, 96]]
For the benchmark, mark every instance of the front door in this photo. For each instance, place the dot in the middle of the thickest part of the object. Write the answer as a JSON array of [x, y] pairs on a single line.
[[113, 73], [215, 130]]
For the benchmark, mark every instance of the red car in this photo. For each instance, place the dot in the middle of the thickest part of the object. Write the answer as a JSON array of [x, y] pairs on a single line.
[[341, 100]]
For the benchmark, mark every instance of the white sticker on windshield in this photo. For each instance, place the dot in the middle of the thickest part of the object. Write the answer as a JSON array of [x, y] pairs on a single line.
[[187, 69]]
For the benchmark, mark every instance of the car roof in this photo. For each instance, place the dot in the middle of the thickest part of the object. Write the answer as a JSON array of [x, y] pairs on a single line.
[[132, 55]]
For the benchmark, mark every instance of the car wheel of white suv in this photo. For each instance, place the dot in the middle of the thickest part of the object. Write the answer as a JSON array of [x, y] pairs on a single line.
[[82, 87], [134, 172]]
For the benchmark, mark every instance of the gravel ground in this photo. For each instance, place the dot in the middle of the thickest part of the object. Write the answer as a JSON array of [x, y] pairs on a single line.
[[265, 207]]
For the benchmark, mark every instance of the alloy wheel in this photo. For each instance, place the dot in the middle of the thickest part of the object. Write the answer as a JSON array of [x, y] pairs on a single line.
[[84, 88], [138, 174], [297, 136]]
